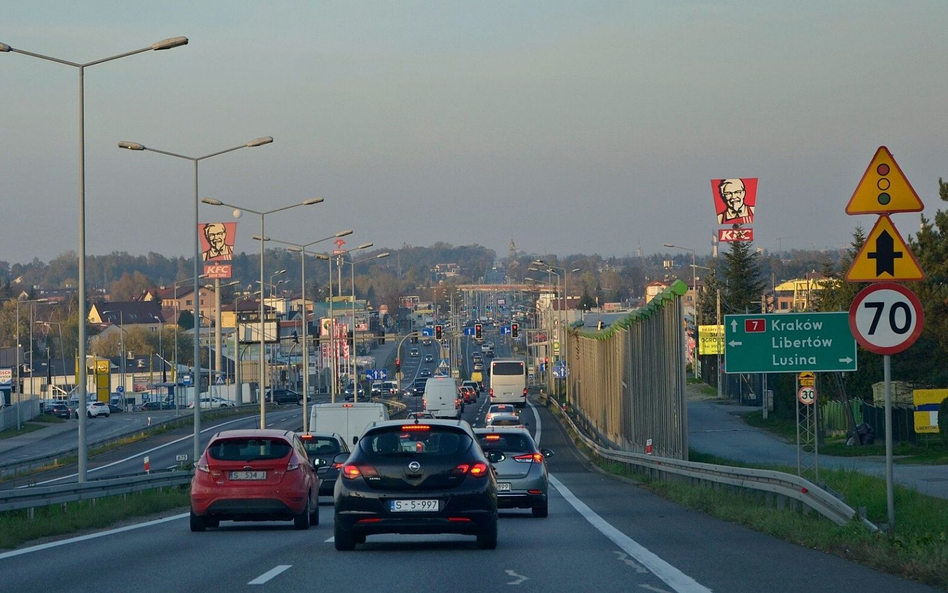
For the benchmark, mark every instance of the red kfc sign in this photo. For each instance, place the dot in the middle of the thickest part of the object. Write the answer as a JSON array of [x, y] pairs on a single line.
[[733, 235]]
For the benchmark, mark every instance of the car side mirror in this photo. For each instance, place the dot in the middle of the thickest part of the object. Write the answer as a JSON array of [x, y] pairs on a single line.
[[355, 440], [340, 458], [495, 455], [547, 452]]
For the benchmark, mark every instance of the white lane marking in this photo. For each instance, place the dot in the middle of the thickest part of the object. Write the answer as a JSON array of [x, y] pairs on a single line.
[[83, 538], [539, 424], [672, 577], [520, 578], [330, 540], [137, 455], [269, 574], [623, 557]]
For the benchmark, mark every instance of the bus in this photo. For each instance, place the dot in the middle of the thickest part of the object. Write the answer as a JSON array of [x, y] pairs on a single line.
[[508, 382]]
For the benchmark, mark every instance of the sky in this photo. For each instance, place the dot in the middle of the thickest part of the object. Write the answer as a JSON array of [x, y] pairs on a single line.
[[567, 127]]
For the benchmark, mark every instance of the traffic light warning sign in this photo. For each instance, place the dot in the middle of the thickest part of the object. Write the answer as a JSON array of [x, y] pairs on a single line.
[[884, 189], [884, 256]]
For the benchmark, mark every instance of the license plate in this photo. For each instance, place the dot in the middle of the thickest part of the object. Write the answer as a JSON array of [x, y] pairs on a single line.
[[245, 475], [414, 506], [503, 486]]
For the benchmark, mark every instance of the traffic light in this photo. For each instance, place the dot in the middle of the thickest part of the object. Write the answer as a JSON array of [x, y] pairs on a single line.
[[381, 337], [477, 331], [398, 365], [414, 339], [438, 332], [515, 330]]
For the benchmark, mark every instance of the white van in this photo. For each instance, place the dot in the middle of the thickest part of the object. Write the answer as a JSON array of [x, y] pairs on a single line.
[[348, 420], [441, 397]]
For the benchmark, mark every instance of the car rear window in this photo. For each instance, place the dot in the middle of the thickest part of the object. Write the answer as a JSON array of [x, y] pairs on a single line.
[[508, 443], [415, 439], [248, 449], [321, 447]]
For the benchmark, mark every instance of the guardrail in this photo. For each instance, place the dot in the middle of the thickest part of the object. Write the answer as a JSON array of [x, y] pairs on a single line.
[[767, 481], [41, 496]]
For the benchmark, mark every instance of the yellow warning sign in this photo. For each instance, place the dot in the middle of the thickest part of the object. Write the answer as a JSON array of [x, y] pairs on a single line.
[[806, 379], [884, 256], [926, 403], [710, 339], [884, 189]]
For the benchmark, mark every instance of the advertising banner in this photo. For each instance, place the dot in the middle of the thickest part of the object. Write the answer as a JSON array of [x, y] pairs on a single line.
[[217, 247], [735, 200]]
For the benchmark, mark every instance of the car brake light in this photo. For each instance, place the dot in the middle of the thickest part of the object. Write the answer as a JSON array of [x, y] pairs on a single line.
[[353, 471], [493, 437], [529, 458], [202, 466], [336, 465], [306, 437], [476, 470], [416, 427], [524, 392], [346, 405], [492, 392]]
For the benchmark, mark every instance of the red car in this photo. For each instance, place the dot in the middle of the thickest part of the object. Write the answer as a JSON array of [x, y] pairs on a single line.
[[468, 394], [254, 475]]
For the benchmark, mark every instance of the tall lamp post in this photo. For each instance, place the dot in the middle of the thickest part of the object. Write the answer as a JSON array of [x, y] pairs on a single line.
[[169, 43], [332, 332], [196, 374], [62, 352], [564, 304], [694, 302], [263, 239], [301, 249], [339, 253], [122, 336], [354, 370], [18, 385]]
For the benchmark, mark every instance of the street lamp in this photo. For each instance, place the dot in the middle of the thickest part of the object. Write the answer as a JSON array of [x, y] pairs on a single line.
[[301, 249], [169, 43], [353, 371], [217, 286], [19, 387], [122, 336], [694, 302], [339, 253], [263, 239], [196, 374], [62, 351]]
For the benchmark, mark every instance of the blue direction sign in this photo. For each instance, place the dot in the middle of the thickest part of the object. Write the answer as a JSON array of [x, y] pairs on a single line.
[[468, 331], [186, 380], [789, 343], [559, 371], [376, 374], [504, 330], [427, 331]]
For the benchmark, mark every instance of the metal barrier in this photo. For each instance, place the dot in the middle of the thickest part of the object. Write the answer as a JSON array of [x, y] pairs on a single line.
[[767, 481], [627, 382], [41, 496]]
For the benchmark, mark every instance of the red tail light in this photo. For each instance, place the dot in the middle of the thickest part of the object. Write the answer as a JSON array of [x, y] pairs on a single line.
[[529, 458], [352, 471], [492, 392], [476, 470], [524, 392], [293, 464], [336, 465], [416, 427]]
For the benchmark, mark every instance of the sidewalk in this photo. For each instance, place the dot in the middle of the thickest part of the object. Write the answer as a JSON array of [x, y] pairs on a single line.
[[715, 428], [29, 438]]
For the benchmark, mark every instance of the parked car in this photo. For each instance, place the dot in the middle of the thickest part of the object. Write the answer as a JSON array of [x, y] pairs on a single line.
[[254, 475], [57, 409], [412, 477], [522, 478], [115, 408], [213, 402], [158, 405], [96, 409], [323, 447]]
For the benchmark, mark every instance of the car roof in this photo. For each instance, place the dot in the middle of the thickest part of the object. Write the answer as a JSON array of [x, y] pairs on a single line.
[[320, 435]]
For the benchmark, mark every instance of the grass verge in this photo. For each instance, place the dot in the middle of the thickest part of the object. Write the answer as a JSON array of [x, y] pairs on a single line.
[[24, 428], [918, 549], [16, 528]]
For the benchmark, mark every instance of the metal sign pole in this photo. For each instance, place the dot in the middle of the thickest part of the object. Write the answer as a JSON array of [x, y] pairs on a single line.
[[889, 487], [796, 388]]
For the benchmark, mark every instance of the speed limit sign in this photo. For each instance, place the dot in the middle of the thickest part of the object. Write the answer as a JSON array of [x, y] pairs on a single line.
[[806, 395], [886, 318]]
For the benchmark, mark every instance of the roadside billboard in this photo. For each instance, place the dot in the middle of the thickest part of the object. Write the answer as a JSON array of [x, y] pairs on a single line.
[[217, 247]]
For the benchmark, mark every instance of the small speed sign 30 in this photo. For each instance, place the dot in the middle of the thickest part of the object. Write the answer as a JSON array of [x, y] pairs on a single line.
[[886, 318], [806, 395]]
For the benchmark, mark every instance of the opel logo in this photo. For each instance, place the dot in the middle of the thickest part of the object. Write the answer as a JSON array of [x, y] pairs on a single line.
[[414, 466]]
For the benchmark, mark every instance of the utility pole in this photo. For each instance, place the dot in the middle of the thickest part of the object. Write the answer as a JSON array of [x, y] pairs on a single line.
[[720, 324]]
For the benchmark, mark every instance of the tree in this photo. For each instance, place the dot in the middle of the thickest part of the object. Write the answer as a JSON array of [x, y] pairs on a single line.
[[743, 284], [586, 302], [186, 320]]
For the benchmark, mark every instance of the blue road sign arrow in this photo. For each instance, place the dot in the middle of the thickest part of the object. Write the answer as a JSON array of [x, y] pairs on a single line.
[[427, 331], [504, 330]]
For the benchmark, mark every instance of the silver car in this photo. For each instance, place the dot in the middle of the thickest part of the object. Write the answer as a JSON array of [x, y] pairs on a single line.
[[522, 478]]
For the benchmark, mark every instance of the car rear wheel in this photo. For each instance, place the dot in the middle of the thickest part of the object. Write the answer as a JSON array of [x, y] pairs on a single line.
[[197, 522], [487, 539], [301, 521], [314, 516], [343, 541], [542, 510]]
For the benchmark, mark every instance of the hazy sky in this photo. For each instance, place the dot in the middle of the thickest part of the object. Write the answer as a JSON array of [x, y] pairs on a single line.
[[570, 127]]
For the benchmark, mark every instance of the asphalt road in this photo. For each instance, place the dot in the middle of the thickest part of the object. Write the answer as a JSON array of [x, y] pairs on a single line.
[[603, 534]]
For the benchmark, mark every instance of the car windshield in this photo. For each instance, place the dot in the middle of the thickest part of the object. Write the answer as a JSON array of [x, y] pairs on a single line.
[[248, 449], [321, 447], [417, 439]]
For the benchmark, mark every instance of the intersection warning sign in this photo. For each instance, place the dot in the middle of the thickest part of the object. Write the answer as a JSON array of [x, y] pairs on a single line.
[[884, 189], [884, 256]]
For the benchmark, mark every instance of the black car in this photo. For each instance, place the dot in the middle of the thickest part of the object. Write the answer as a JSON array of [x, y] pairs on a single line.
[[418, 388], [57, 409], [325, 446], [424, 373], [415, 477], [155, 406], [284, 396]]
